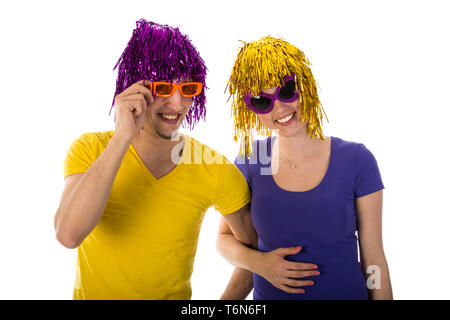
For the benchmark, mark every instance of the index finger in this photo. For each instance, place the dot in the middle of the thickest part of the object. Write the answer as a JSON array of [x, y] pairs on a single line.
[[144, 82], [291, 265], [144, 88]]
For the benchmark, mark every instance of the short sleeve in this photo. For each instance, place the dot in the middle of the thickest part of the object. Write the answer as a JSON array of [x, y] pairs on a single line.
[[80, 155], [242, 164], [367, 174], [246, 165], [232, 192]]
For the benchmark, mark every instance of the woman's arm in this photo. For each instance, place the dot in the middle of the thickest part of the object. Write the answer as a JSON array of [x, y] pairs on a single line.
[[270, 265], [373, 260]]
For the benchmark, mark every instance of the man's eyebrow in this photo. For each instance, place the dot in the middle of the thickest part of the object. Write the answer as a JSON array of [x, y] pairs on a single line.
[[178, 80]]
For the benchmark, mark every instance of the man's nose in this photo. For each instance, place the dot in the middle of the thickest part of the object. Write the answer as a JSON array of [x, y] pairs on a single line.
[[175, 100]]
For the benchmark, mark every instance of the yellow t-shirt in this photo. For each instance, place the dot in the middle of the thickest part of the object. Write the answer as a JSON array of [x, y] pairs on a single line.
[[145, 243]]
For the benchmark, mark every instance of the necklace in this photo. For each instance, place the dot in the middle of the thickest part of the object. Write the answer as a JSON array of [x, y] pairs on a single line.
[[292, 163]]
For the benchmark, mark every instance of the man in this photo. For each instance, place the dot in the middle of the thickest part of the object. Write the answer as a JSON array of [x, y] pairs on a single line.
[[135, 197]]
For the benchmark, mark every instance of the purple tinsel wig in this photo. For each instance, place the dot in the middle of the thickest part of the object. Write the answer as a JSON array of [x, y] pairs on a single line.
[[160, 52]]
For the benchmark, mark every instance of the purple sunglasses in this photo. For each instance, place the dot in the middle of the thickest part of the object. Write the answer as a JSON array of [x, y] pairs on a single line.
[[263, 102]]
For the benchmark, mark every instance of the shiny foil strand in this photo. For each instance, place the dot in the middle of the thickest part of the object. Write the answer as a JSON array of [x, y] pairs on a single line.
[[161, 52], [263, 64]]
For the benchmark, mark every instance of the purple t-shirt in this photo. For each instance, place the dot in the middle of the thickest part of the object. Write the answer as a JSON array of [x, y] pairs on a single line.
[[322, 220]]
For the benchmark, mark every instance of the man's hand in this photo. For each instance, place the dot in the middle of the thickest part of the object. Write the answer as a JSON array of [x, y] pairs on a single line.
[[131, 105], [284, 274]]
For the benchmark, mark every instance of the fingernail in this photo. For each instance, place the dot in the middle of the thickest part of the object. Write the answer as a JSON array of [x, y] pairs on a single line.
[[316, 273], [302, 292], [315, 267], [311, 282]]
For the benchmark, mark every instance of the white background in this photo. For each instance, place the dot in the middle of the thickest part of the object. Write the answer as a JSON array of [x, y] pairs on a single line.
[[383, 69]]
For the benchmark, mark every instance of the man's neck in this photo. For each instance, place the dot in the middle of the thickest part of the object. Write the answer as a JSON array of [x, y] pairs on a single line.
[[151, 146]]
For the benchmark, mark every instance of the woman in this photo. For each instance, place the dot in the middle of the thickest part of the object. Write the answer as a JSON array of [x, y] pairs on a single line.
[[310, 193]]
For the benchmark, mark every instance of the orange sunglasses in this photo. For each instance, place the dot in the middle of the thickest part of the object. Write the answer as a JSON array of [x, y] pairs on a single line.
[[167, 89]]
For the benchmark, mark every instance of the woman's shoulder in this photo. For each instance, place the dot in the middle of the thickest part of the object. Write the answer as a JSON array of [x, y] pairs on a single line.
[[261, 149], [352, 151], [345, 145], [357, 158]]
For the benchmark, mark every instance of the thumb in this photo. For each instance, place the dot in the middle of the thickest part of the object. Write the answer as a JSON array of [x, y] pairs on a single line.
[[289, 251]]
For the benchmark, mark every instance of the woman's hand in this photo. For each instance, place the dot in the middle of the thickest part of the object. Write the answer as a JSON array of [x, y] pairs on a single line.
[[284, 274]]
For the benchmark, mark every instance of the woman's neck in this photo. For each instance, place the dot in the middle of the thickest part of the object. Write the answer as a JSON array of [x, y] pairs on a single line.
[[299, 146]]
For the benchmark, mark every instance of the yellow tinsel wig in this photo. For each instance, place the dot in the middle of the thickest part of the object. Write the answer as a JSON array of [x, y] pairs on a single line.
[[263, 64]]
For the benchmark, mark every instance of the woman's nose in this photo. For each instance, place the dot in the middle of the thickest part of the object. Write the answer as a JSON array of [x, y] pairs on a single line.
[[279, 107]]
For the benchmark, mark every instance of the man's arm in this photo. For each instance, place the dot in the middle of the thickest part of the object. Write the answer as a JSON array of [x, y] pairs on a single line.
[[241, 281], [239, 286], [240, 224], [369, 212], [85, 195]]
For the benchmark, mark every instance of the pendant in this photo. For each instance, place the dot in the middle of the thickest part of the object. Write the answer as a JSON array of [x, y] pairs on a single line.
[[292, 166]]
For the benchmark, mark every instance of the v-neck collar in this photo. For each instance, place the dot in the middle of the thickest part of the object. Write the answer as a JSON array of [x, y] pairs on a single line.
[[170, 174]]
